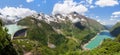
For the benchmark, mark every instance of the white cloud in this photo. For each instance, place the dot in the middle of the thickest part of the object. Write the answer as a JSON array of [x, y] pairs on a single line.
[[69, 6], [107, 22], [92, 6], [115, 17], [28, 1], [81, 2], [96, 16], [89, 1], [103, 3], [116, 14], [20, 12]]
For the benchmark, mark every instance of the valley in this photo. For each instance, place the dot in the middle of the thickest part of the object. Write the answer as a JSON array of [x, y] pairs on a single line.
[[57, 34], [59, 27]]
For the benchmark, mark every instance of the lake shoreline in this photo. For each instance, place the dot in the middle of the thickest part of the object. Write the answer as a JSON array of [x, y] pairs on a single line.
[[84, 46], [103, 34]]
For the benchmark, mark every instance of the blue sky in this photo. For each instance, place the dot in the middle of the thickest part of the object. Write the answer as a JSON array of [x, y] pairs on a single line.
[[104, 11], [44, 6]]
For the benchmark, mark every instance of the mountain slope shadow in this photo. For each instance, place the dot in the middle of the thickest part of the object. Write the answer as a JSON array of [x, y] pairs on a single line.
[[79, 25], [116, 31]]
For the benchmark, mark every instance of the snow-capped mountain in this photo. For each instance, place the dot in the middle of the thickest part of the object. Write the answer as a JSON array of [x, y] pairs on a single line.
[[75, 18]]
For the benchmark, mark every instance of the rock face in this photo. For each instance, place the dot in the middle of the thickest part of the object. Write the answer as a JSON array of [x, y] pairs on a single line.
[[115, 30], [76, 19]]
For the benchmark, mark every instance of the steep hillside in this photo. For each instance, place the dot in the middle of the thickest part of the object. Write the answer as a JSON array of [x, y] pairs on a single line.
[[41, 31], [78, 26], [79, 21], [115, 30], [57, 34], [95, 26], [45, 36]]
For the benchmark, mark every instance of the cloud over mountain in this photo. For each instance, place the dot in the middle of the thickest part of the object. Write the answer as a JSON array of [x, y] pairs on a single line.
[[68, 6], [19, 12]]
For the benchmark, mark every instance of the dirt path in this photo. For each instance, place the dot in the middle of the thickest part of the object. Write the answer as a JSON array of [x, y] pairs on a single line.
[[28, 53]]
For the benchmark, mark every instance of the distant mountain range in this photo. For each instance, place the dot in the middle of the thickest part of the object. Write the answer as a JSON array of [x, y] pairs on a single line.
[[108, 27]]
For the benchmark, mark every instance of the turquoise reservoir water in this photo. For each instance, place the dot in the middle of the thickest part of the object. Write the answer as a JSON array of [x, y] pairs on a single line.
[[98, 39], [12, 28]]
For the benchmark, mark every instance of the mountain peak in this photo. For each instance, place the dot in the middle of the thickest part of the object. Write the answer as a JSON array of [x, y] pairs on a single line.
[[74, 13]]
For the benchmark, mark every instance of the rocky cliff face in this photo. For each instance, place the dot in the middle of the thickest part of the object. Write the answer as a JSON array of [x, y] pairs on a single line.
[[74, 18]]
